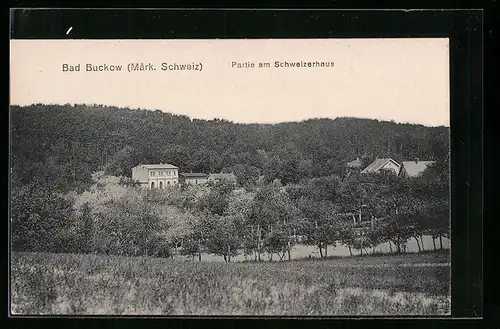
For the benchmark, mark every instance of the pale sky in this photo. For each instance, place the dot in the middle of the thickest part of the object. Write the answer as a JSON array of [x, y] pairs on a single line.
[[405, 80]]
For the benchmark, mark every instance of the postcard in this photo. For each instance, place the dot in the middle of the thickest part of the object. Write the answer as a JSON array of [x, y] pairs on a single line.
[[230, 177]]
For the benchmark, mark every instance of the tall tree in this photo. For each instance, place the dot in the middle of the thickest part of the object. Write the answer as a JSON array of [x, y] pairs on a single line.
[[273, 208], [222, 236]]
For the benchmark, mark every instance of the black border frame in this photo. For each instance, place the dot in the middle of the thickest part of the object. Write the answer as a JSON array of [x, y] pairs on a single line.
[[464, 28]]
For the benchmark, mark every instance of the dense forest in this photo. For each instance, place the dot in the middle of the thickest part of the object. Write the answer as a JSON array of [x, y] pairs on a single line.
[[62, 145]]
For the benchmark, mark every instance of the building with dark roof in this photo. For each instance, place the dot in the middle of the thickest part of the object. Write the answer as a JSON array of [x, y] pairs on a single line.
[[193, 178], [355, 164]]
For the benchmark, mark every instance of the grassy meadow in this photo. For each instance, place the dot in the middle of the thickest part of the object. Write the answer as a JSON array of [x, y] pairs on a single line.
[[44, 283]]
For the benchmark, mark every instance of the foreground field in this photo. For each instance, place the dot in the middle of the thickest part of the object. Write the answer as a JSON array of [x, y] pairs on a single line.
[[89, 284]]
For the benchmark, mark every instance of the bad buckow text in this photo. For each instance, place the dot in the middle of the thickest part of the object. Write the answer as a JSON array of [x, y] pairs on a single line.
[[92, 68]]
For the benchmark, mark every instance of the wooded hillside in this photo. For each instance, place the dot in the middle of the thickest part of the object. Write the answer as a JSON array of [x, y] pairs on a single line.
[[64, 144]]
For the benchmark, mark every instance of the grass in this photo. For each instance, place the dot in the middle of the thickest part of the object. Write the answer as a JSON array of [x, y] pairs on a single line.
[[44, 283]]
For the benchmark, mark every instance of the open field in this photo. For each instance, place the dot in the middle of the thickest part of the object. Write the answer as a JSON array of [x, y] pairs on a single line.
[[43, 283]]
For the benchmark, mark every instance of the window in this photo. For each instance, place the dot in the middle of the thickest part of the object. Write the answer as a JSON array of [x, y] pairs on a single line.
[[196, 181], [161, 185], [161, 173], [153, 173], [152, 185], [168, 182]]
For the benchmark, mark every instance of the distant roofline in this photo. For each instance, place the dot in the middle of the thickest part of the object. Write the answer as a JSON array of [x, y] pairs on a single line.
[[354, 163], [158, 166], [222, 174], [419, 161]]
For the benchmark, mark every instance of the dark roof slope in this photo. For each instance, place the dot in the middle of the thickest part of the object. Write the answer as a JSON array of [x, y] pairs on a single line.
[[223, 176], [193, 174]]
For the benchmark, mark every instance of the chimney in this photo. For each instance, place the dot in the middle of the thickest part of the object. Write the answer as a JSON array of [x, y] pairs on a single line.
[[416, 160]]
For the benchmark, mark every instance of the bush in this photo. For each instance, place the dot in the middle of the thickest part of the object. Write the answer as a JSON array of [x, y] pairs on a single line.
[[41, 220]]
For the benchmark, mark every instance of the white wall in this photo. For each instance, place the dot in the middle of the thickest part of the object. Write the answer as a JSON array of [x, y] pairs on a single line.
[[166, 180], [140, 174]]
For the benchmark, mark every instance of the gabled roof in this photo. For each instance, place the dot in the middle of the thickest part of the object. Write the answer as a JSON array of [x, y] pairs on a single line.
[[159, 166], [354, 164], [377, 164], [415, 168], [193, 174]]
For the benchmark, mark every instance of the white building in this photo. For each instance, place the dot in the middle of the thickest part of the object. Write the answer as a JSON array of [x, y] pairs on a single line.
[[157, 176]]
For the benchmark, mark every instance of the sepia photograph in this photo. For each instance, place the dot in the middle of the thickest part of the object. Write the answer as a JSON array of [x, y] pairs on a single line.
[[235, 177]]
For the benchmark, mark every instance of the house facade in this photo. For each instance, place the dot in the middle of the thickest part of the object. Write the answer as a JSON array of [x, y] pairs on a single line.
[[414, 168], [156, 176], [382, 165], [192, 178]]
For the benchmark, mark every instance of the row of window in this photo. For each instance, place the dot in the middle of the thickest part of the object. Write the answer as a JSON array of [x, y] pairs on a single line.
[[161, 173], [160, 185]]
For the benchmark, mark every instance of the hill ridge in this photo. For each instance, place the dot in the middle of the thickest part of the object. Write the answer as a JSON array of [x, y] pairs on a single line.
[[67, 143]]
